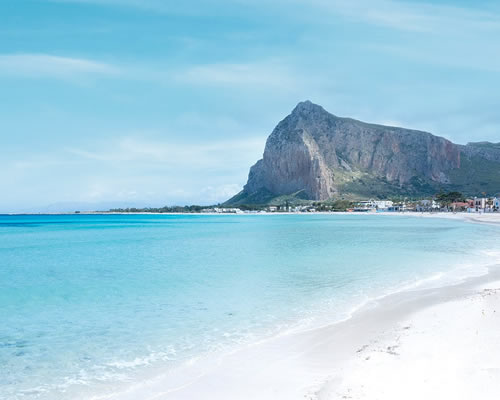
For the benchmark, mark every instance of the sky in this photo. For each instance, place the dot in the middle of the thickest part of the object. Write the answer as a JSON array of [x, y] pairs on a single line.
[[156, 102]]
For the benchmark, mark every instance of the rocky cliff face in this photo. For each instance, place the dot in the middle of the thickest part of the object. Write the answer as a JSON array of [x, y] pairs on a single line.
[[321, 156], [486, 150]]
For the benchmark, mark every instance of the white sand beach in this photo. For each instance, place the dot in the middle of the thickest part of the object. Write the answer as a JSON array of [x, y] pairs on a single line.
[[433, 344], [441, 343], [446, 351], [482, 218]]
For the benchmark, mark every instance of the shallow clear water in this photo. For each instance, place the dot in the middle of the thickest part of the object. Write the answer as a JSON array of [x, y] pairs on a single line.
[[92, 303]]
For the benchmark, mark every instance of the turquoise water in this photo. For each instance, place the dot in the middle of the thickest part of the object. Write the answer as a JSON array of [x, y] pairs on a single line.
[[92, 303]]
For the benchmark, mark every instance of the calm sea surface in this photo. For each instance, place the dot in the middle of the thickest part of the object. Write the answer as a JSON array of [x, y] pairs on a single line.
[[92, 303]]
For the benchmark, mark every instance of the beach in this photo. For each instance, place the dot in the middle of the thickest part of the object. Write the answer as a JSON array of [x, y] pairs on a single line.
[[445, 351], [482, 218], [440, 343], [433, 344]]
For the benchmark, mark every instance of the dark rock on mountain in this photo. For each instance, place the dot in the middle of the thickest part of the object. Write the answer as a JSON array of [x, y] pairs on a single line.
[[316, 155]]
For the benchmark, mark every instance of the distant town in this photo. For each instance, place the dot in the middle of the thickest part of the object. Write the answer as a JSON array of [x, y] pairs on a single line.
[[442, 202]]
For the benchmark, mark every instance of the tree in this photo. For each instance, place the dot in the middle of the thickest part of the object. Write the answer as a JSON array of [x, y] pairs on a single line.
[[450, 197]]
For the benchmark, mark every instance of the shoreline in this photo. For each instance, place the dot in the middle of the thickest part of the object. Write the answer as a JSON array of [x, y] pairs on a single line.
[[492, 218], [324, 363], [485, 218], [358, 357], [445, 350]]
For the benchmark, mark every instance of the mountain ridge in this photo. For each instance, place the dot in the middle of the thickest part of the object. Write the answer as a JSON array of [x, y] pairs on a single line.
[[322, 156]]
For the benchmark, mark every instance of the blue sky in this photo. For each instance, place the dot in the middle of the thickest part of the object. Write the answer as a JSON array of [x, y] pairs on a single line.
[[153, 102]]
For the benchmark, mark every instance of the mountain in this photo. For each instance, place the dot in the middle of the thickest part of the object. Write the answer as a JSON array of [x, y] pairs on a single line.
[[315, 155]]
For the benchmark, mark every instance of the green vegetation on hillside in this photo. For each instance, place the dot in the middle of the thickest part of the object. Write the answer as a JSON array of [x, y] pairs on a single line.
[[476, 177], [264, 196], [370, 186]]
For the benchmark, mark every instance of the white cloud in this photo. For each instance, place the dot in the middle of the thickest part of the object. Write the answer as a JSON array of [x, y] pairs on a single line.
[[46, 65], [133, 172], [228, 153], [401, 15], [219, 193], [412, 16], [251, 75], [480, 57]]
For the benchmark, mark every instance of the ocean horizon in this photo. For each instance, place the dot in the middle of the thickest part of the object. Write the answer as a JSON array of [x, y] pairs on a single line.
[[93, 304]]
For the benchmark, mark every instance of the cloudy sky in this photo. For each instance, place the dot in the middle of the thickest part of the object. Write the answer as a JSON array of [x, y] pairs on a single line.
[[154, 102]]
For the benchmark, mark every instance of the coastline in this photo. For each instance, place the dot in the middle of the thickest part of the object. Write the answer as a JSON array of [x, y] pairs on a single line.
[[446, 350], [421, 335], [416, 343], [481, 218]]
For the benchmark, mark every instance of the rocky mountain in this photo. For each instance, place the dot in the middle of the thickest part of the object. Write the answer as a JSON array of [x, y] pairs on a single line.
[[315, 155]]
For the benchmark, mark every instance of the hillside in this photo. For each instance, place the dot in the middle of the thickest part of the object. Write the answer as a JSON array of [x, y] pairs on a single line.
[[315, 155]]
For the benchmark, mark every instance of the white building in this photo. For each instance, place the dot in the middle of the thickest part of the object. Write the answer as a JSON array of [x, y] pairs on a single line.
[[484, 204], [375, 204], [480, 203], [496, 203], [383, 204], [227, 210], [427, 205]]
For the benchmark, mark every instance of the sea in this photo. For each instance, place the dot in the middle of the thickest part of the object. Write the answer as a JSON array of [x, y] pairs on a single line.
[[93, 304]]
